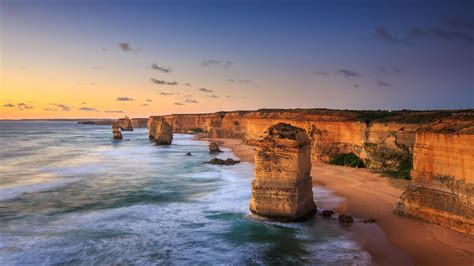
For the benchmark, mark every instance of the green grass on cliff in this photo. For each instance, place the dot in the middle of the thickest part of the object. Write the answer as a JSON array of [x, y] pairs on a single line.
[[403, 170]]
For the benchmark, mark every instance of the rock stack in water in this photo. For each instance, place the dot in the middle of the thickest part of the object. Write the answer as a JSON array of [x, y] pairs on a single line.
[[282, 187], [125, 124], [160, 130], [117, 134]]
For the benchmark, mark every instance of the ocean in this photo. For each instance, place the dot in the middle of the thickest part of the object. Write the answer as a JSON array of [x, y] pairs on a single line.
[[69, 194]]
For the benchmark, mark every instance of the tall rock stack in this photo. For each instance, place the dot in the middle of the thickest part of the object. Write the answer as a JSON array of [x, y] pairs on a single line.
[[442, 191], [125, 124], [160, 130], [116, 132], [282, 187]]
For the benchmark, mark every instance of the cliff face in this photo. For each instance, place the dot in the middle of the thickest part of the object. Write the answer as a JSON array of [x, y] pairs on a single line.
[[383, 140], [282, 187], [116, 133], [443, 176], [139, 122]]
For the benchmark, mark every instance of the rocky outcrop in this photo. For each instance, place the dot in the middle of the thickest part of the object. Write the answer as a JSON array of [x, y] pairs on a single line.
[[214, 147], [443, 175], [160, 131], [125, 124], [139, 122], [282, 187], [228, 161], [116, 132]]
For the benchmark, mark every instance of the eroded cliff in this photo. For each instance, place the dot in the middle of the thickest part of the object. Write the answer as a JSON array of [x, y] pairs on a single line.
[[443, 175]]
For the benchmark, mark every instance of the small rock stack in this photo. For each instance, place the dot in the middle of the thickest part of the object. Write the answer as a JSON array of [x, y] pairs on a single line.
[[116, 132], [282, 188], [125, 124], [162, 131]]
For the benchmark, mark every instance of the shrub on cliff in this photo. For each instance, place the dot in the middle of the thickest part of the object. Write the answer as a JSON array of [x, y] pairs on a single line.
[[347, 159]]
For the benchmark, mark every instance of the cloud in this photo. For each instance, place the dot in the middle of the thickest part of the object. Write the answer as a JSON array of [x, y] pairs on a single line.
[[163, 69], [145, 104], [124, 99], [92, 83], [162, 82], [178, 103], [187, 84], [9, 105], [126, 47], [24, 106], [97, 68], [83, 102], [460, 23], [348, 73], [49, 109], [237, 97], [63, 107], [383, 84], [189, 100], [204, 90], [88, 109], [212, 62], [449, 35], [239, 81], [113, 111], [148, 100], [383, 34], [164, 93], [356, 85], [321, 73], [214, 96]]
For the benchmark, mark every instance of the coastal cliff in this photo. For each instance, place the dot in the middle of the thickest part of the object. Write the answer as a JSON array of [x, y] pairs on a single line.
[[160, 130], [443, 175], [383, 140]]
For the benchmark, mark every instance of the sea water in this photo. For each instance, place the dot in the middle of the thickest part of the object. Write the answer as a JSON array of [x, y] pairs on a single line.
[[69, 194]]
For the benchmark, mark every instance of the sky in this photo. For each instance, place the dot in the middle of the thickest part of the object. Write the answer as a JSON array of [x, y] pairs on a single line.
[[108, 59]]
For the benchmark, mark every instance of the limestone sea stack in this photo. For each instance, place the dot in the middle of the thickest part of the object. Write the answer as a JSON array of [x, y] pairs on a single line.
[[117, 134], [160, 130], [282, 187], [214, 147], [125, 124]]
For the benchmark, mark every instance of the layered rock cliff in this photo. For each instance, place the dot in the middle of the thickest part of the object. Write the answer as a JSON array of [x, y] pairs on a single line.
[[443, 175], [382, 139], [125, 124], [139, 122], [116, 132], [282, 187]]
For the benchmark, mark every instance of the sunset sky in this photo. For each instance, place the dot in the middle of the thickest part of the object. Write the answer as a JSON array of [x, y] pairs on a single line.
[[101, 59]]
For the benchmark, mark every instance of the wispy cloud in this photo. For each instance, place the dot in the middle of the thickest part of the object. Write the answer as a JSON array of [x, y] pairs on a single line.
[[63, 107], [321, 73], [24, 106], [356, 86], [348, 73], [113, 111], [88, 109], [178, 103], [190, 100], [149, 100], [204, 90], [163, 82], [126, 47], [124, 99], [145, 104], [239, 80], [212, 62], [188, 84], [9, 105], [236, 97], [383, 84], [383, 34], [163, 69], [164, 93], [460, 23]]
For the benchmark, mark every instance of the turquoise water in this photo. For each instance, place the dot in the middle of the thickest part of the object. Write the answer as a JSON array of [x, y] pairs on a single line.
[[69, 194]]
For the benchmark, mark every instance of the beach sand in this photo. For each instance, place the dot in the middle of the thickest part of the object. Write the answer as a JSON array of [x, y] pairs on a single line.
[[391, 240]]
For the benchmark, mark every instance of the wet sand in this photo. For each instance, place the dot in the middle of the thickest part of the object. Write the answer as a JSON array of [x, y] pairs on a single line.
[[391, 240]]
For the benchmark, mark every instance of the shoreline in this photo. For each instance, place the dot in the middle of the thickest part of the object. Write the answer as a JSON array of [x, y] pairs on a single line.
[[391, 240]]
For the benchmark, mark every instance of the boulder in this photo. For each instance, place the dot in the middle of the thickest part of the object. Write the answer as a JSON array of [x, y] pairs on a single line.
[[345, 219], [188, 154], [327, 213], [228, 161], [282, 187], [214, 147], [117, 134]]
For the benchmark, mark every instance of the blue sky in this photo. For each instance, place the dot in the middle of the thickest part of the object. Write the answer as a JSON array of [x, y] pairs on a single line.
[[250, 54]]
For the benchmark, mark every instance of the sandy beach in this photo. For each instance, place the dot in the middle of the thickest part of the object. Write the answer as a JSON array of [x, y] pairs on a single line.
[[391, 240]]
